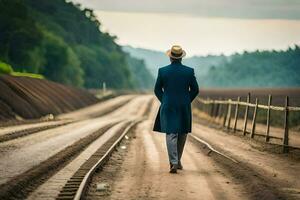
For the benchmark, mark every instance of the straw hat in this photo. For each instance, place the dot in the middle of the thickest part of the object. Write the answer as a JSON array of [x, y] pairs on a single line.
[[176, 52]]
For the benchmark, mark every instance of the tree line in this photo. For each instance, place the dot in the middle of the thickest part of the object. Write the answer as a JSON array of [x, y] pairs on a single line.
[[64, 43], [257, 69]]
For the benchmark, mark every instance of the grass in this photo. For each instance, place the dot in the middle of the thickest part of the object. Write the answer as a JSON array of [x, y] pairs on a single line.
[[7, 69], [25, 74]]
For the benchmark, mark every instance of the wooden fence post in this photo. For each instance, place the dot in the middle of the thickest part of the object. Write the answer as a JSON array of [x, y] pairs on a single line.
[[219, 116], [216, 110], [225, 114], [212, 109], [229, 114], [268, 118], [198, 104], [236, 114], [254, 118], [207, 106], [286, 126], [246, 115]]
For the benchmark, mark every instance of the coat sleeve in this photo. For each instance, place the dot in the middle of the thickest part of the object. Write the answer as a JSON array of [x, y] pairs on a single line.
[[194, 88], [158, 89]]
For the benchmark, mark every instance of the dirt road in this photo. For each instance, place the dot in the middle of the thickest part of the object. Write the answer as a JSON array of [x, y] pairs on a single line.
[[139, 168]]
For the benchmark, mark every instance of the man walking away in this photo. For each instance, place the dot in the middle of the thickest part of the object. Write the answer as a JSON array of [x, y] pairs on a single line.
[[176, 87]]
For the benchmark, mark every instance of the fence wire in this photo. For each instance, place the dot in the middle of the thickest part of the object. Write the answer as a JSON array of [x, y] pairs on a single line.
[[232, 102]]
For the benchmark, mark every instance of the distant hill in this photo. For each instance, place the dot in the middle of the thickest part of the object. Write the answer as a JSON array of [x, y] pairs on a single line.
[[153, 59], [258, 69], [63, 42], [156, 59], [248, 69], [202, 65]]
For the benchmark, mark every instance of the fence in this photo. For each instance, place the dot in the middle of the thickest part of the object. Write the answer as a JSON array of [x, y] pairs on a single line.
[[223, 109]]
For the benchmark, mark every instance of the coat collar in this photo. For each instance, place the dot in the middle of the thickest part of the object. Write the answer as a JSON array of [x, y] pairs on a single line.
[[176, 63]]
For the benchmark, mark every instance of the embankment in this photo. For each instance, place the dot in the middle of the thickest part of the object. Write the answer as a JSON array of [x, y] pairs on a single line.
[[29, 98]]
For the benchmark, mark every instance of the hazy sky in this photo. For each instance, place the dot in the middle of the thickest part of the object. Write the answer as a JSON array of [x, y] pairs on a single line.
[[201, 26]]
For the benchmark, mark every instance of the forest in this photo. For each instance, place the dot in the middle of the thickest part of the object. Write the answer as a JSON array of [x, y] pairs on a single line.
[[257, 69], [63, 42]]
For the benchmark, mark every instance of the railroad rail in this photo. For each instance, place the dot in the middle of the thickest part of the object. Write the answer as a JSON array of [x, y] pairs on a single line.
[[76, 186], [212, 149], [15, 188], [83, 186]]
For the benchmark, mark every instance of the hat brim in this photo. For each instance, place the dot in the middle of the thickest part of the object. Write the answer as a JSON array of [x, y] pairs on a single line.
[[176, 57]]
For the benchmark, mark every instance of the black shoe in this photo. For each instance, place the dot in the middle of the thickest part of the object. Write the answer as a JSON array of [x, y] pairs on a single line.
[[179, 166], [173, 169]]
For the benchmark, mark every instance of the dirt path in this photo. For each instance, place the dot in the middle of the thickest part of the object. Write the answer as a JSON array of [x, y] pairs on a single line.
[[144, 172]]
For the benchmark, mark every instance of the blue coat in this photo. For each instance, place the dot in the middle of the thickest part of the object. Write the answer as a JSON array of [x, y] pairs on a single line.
[[176, 87]]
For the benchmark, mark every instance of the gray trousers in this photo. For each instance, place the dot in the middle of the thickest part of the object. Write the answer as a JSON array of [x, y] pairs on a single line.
[[175, 145]]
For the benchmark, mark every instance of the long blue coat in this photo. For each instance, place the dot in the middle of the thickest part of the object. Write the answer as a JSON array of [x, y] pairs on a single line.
[[176, 87]]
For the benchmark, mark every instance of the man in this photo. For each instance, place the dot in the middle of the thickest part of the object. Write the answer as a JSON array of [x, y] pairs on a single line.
[[176, 87]]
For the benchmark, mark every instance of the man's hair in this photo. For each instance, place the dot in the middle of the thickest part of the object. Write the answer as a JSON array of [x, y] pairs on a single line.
[[175, 59]]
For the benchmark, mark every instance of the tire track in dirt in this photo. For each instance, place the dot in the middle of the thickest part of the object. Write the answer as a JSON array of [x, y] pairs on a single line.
[[25, 132], [98, 109], [219, 185]]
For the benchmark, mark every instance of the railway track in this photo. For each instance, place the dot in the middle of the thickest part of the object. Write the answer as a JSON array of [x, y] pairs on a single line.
[[76, 186], [35, 176], [212, 149], [69, 170]]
